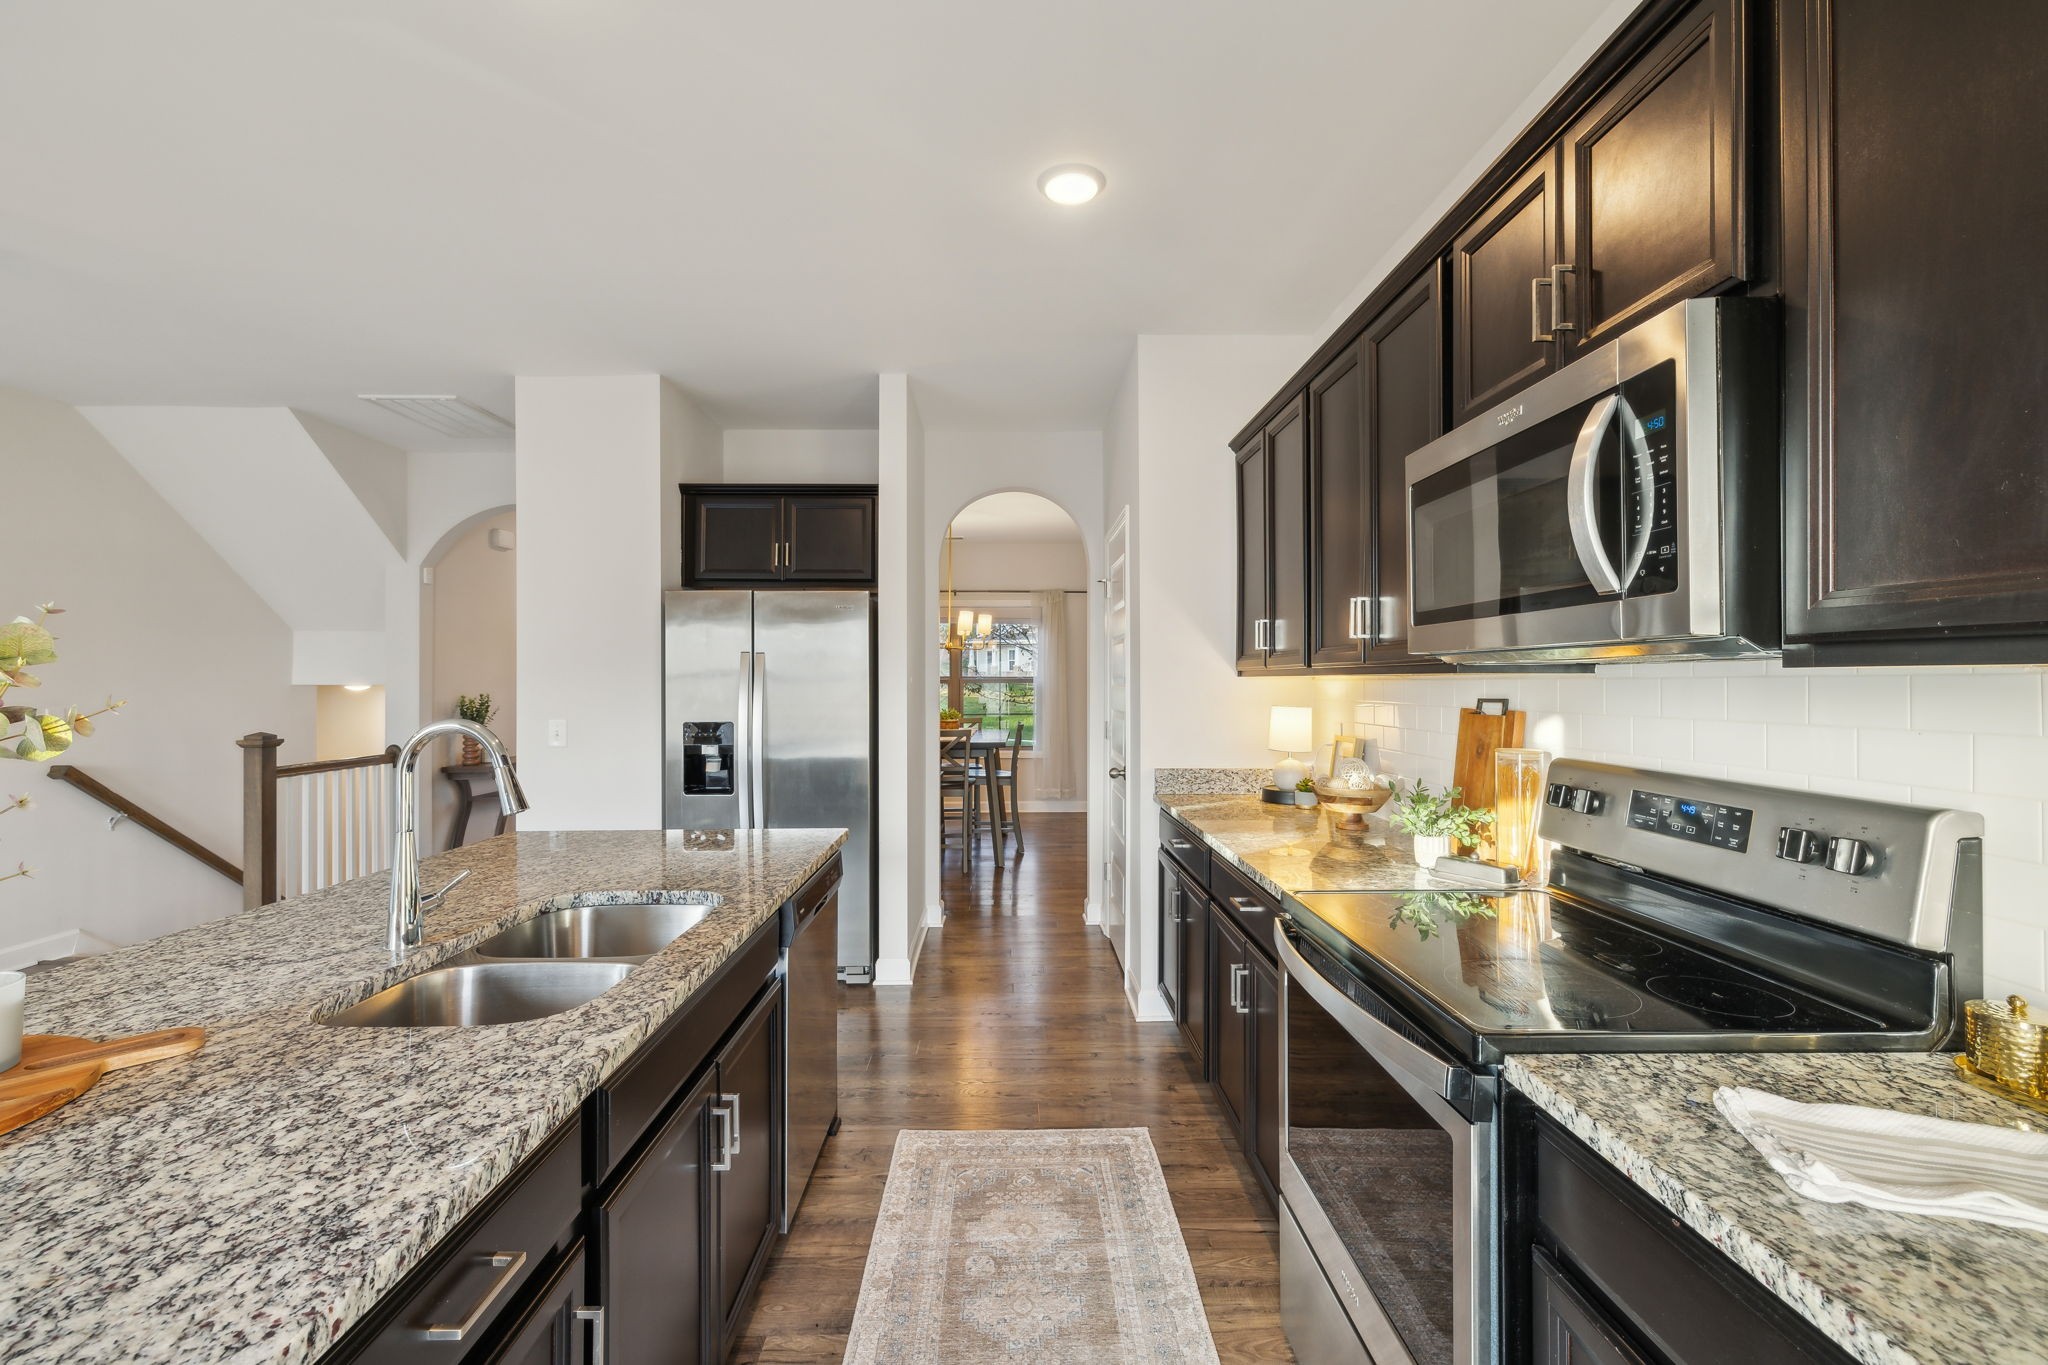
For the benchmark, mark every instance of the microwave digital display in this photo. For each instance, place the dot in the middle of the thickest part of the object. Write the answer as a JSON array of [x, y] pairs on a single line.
[[1654, 422]]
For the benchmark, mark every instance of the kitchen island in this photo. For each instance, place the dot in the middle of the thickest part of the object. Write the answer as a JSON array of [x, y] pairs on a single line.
[[251, 1202]]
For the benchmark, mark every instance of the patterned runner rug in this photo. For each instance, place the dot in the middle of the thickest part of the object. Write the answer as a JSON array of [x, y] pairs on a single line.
[[1052, 1247]]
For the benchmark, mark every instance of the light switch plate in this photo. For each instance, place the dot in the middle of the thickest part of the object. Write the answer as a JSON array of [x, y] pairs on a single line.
[[558, 733]]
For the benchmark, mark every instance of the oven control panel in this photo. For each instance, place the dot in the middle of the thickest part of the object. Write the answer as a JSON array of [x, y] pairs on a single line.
[[1682, 817]]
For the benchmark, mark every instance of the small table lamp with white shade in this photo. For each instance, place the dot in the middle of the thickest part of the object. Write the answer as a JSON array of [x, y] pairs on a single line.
[[1292, 732]]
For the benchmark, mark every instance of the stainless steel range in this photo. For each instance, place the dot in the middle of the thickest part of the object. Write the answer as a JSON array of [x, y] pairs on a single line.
[[1682, 914]]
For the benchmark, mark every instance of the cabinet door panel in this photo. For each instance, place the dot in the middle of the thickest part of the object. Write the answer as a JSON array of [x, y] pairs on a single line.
[[734, 538], [1340, 505], [1404, 362], [1264, 987], [830, 539], [652, 1232], [1916, 475], [1194, 970], [1496, 347], [1287, 452], [1230, 965], [1654, 181], [1569, 1330], [552, 1332], [1254, 606], [1170, 911], [746, 1192]]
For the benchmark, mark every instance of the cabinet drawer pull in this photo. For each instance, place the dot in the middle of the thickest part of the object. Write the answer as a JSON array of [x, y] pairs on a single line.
[[595, 1317], [723, 1116], [1244, 902], [508, 1264], [1179, 845], [734, 1101]]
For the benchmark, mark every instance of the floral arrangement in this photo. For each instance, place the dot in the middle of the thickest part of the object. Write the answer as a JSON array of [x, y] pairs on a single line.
[[30, 733], [1438, 815], [949, 719]]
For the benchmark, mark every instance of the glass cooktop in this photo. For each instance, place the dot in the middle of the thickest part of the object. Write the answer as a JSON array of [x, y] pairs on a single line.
[[1523, 963]]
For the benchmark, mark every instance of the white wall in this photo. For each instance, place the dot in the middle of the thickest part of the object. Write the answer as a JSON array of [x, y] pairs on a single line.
[[155, 616], [347, 723], [1969, 739], [1065, 468], [446, 493], [906, 797], [596, 463], [759, 455], [1182, 401]]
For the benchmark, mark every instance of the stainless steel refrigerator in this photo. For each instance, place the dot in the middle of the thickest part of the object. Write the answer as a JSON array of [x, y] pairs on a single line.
[[769, 709]]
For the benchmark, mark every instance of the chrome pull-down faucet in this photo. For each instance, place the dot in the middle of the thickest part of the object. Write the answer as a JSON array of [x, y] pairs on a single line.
[[407, 900]]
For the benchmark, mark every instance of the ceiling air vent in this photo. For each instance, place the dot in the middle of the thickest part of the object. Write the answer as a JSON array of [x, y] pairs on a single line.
[[441, 412]]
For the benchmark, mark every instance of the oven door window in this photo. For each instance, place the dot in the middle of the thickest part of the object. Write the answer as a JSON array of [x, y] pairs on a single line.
[[1381, 1169], [1492, 534]]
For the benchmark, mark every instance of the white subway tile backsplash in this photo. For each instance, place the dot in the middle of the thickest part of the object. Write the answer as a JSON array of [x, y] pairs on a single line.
[[1732, 743], [1581, 694], [1634, 696], [1772, 697], [1608, 733], [1983, 703], [1662, 740], [2015, 957], [1918, 758], [2012, 824], [1859, 699], [1863, 788], [2014, 767], [1811, 749], [1696, 698]]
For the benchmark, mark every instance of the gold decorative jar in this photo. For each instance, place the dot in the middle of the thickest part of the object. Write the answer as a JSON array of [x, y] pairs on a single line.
[[2006, 1047]]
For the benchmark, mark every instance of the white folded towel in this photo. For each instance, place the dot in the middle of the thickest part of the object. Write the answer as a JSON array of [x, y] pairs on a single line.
[[1844, 1153]]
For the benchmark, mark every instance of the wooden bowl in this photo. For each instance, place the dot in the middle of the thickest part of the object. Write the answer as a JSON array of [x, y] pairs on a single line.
[[1351, 805]]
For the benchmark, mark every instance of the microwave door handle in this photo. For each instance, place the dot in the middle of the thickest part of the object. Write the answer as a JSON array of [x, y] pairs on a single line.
[[1638, 454], [1582, 493]]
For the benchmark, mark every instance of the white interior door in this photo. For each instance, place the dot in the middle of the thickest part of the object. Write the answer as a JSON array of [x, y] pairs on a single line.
[[1116, 632]]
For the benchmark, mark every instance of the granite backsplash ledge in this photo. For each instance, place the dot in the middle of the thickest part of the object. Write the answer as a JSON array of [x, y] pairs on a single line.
[[1210, 781]]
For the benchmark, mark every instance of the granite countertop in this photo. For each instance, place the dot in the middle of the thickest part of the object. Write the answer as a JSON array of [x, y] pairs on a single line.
[[1290, 849], [1891, 1288], [250, 1202]]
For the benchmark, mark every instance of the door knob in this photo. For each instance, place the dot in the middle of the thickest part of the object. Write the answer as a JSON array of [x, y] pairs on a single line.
[[1117, 772]]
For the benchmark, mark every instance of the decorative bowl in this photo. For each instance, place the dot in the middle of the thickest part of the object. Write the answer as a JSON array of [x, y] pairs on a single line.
[[1350, 805]]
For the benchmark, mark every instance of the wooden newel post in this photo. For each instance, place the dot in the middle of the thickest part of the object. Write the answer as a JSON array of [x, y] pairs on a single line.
[[259, 818]]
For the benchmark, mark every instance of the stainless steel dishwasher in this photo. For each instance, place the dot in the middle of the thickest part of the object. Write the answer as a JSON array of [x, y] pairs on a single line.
[[811, 1039]]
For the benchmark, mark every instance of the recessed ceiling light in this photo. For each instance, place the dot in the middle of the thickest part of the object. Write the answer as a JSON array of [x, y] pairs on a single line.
[[355, 687], [1071, 185]]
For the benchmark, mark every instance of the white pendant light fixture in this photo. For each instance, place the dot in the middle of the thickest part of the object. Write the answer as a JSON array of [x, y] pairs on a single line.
[[1071, 185]]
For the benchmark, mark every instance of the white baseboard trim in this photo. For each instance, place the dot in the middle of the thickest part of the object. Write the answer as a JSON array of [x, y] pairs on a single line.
[[1089, 913], [1053, 805], [892, 971], [15, 956], [1152, 1007], [935, 915]]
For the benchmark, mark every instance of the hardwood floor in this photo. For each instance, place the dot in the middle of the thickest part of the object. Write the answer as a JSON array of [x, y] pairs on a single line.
[[1017, 1019]]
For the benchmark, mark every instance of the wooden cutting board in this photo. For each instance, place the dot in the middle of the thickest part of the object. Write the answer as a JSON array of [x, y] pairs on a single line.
[[56, 1069], [1472, 765]]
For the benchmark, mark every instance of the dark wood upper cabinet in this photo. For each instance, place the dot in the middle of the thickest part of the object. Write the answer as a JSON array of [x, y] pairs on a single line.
[[831, 538], [1340, 529], [1653, 176], [1403, 359], [1501, 293], [797, 537], [1916, 493], [1254, 585], [1287, 458], [732, 538]]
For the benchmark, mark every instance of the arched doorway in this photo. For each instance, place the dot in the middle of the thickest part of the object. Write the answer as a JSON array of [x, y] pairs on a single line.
[[467, 645], [1014, 634]]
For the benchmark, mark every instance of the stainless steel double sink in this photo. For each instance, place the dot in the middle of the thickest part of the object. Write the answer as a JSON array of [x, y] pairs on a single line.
[[553, 962]]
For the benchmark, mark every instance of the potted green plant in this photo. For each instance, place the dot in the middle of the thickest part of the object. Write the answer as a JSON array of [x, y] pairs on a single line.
[[949, 719], [477, 710], [1437, 820]]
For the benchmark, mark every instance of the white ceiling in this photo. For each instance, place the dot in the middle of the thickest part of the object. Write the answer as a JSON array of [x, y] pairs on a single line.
[[247, 202], [1015, 516]]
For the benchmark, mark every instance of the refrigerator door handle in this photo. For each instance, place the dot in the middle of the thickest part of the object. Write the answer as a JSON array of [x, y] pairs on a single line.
[[757, 743], [743, 741]]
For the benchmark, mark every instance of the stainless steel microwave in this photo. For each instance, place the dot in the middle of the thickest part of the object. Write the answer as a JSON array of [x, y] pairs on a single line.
[[1625, 507]]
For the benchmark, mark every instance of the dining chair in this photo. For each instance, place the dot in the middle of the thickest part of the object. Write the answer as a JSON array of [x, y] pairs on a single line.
[[1007, 819], [958, 782]]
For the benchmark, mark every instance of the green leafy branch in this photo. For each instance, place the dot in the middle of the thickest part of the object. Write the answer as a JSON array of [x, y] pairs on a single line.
[[1429, 815], [29, 733]]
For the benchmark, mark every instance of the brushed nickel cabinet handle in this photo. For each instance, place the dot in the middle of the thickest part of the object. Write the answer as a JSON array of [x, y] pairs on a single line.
[[595, 1317], [509, 1264], [723, 1116], [734, 1101]]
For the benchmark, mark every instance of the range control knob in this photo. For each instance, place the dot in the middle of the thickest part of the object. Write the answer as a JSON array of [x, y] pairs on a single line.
[[1559, 795], [1849, 856], [1801, 845], [1586, 801]]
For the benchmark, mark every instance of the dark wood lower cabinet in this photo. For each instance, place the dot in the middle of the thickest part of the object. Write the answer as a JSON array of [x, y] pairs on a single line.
[[563, 1327], [744, 1181], [1263, 1144], [1569, 1330], [651, 1233], [1230, 1039]]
